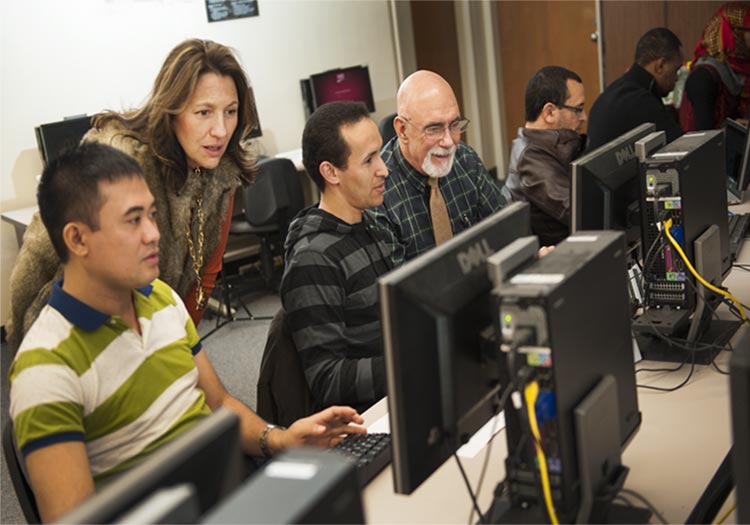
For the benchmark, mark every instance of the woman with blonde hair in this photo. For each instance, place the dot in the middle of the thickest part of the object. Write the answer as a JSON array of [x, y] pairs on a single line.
[[188, 140]]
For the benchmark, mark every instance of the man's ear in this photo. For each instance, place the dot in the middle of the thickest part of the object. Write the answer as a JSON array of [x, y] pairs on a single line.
[[661, 64], [399, 126], [75, 235], [329, 173], [549, 112]]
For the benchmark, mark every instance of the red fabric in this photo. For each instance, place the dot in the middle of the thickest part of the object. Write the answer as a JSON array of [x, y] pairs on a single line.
[[210, 270], [723, 37]]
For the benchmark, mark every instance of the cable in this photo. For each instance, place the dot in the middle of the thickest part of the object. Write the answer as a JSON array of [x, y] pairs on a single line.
[[667, 225], [646, 502], [488, 448], [468, 486], [727, 513], [530, 394]]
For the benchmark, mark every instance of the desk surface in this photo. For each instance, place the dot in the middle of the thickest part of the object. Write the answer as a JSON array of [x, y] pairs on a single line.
[[684, 436]]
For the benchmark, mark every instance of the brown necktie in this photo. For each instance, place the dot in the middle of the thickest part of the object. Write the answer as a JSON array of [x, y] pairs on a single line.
[[441, 223]]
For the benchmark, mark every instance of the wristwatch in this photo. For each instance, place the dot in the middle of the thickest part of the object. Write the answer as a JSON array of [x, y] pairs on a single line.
[[264, 438]]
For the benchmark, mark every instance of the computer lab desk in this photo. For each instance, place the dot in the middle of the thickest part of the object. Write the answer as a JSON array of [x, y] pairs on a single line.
[[683, 438]]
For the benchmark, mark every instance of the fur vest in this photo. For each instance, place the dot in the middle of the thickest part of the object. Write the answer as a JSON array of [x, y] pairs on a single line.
[[38, 267]]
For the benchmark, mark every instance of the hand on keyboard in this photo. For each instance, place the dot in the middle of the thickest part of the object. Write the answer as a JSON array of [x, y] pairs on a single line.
[[370, 452]]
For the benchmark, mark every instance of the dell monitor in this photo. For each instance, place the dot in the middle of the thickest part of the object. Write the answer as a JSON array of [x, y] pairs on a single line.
[[348, 84], [56, 137], [737, 165], [442, 366], [207, 456], [605, 186]]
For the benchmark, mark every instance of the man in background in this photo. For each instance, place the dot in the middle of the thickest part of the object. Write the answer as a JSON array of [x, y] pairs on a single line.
[[539, 168], [635, 97]]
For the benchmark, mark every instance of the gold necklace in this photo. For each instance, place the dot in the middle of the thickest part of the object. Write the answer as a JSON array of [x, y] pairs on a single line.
[[197, 255]]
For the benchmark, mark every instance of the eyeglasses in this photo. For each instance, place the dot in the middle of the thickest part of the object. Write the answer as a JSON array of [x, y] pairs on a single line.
[[436, 131], [576, 109]]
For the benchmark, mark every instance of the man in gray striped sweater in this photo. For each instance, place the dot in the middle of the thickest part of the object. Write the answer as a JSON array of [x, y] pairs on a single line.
[[334, 256]]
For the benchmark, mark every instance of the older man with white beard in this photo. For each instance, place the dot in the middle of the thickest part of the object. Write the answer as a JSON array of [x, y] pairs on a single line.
[[438, 185]]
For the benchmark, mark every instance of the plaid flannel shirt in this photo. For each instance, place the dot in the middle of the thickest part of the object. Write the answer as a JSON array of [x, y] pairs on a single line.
[[404, 217]]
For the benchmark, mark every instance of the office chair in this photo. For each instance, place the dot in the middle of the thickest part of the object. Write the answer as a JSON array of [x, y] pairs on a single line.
[[24, 494], [387, 132], [267, 206], [283, 393]]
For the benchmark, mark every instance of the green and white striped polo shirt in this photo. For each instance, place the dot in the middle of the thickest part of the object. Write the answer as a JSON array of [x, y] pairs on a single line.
[[81, 375]]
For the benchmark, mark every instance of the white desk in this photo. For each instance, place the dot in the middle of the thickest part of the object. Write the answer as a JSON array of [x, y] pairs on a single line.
[[682, 440]]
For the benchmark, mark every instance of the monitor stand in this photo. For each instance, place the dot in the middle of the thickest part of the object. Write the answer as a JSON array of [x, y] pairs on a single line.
[[701, 328]]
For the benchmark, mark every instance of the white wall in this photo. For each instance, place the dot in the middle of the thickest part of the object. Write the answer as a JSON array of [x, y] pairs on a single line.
[[60, 58]]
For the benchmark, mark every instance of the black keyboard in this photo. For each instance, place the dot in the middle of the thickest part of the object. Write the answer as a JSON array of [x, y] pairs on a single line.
[[370, 452], [738, 230]]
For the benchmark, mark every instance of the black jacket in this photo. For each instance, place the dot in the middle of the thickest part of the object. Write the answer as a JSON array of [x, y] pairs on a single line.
[[628, 102]]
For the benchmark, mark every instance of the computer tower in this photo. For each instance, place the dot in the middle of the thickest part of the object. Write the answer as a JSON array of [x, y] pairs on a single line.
[[683, 181], [299, 486], [564, 321]]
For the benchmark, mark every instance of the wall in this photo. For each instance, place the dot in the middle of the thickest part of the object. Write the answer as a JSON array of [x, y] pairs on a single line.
[[82, 56]]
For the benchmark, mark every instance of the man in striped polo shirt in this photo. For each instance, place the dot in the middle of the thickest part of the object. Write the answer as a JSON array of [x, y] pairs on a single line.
[[113, 368], [334, 257]]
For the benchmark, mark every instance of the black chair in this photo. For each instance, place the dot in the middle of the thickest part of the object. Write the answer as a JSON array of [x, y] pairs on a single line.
[[387, 132], [283, 393], [266, 208], [24, 494]]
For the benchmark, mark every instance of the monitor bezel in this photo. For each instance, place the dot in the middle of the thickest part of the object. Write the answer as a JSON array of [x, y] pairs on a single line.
[[744, 175], [217, 432], [597, 161]]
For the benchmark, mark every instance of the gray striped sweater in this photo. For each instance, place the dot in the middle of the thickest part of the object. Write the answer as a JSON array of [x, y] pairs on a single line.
[[329, 293]]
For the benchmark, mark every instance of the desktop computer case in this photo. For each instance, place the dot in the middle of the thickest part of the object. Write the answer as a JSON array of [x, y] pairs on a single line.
[[575, 300], [686, 179]]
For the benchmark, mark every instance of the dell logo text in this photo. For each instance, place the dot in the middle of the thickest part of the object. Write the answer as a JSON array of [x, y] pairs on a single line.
[[474, 256]]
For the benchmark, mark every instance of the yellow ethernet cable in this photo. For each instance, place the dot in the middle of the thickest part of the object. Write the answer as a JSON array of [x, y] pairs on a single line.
[[530, 394], [667, 225]]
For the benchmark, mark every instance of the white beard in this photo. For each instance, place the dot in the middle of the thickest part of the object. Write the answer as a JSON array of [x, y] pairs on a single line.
[[443, 168]]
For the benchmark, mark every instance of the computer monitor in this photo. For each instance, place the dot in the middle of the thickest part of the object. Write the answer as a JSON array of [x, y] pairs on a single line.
[[737, 150], [350, 84], [739, 381], [56, 137], [207, 456], [605, 186], [442, 366]]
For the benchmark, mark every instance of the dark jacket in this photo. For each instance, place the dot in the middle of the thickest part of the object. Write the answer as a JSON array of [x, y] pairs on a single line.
[[539, 173], [712, 93], [283, 393], [329, 293], [628, 102]]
